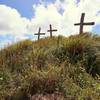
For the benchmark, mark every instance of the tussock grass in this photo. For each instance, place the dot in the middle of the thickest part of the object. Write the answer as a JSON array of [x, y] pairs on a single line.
[[69, 67]]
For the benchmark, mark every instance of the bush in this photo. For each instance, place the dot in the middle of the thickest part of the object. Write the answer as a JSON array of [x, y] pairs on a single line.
[[59, 65]]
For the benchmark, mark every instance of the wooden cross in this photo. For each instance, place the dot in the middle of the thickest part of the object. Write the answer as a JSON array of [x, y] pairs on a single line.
[[82, 23], [39, 33], [51, 30]]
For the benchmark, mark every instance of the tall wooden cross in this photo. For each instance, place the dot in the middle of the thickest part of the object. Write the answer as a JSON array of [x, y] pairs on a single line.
[[51, 30], [39, 33], [82, 23]]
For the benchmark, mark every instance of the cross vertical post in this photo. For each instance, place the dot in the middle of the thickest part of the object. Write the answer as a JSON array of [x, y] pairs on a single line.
[[51, 30], [82, 23], [39, 33]]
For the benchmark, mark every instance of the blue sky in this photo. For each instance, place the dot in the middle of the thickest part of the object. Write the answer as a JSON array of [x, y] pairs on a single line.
[[24, 6], [17, 15]]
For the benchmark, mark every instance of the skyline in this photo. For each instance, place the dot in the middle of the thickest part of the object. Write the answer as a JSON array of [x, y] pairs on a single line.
[[20, 19]]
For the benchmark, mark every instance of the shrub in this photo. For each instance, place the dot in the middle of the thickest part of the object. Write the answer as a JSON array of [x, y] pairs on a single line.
[[57, 65]]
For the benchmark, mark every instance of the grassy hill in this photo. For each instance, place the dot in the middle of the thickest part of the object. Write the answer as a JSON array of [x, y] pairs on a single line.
[[58, 67]]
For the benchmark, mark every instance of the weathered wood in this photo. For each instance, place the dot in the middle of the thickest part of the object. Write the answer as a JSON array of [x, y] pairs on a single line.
[[39, 33], [51, 30], [82, 23], [91, 23]]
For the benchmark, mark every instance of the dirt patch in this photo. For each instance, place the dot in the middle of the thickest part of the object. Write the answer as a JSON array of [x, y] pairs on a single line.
[[47, 97]]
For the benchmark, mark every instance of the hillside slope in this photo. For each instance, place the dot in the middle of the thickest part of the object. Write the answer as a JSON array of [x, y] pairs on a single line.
[[67, 68]]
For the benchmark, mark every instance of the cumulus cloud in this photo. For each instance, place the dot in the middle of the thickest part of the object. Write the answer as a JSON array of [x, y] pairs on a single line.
[[44, 15], [13, 23]]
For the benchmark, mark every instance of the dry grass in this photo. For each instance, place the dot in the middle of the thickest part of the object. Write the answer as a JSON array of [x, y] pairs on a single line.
[[38, 70]]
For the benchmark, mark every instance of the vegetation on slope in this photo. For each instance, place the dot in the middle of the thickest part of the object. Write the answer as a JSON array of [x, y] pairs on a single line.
[[68, 67]]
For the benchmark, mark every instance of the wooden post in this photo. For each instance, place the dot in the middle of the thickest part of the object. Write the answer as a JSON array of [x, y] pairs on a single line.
[[82, 23], [51, 30], [39, 33]]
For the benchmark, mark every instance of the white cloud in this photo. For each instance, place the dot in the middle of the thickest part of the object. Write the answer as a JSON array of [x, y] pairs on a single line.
[[72, 13], [45, 16], [13, 23]]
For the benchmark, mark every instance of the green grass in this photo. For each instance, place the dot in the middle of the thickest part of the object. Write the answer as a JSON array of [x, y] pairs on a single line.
[[68, 66]]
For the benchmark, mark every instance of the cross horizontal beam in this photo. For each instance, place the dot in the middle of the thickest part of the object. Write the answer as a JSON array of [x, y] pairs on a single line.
[[40, 33], [91, 23], [52, 30]]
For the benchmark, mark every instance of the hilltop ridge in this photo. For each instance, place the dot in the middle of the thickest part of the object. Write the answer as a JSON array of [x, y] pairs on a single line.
[[68, 67]]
